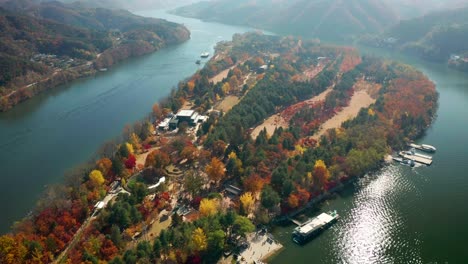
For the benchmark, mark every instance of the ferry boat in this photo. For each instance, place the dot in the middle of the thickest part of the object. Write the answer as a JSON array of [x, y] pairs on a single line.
[[313, 227], [205, 55]]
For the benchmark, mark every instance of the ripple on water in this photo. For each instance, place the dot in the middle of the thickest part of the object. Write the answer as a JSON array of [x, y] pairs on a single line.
[[367, 233]]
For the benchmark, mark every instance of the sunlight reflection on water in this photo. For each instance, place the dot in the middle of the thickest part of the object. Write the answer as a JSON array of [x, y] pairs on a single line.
[[366, 232]]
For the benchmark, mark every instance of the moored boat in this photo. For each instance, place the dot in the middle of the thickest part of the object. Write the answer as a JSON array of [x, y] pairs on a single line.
[[313, 227], [428, 148]]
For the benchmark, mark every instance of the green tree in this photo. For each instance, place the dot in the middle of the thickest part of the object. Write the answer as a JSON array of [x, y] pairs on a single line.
[[116, 236], [269, 197], [157, 247], [193, 183], [216, 242], [123, 150], [242, 226]]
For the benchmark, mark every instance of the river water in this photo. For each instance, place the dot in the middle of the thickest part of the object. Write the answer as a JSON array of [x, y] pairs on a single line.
[[396, 215], [59, 129], [402, 214]]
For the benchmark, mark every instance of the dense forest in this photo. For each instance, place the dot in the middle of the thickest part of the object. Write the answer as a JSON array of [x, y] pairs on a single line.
[[52, 43], [440, 36], [278, 173]]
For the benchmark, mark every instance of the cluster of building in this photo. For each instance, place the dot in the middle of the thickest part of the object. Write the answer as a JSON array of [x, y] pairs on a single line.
[[53, 60], [191, 117]]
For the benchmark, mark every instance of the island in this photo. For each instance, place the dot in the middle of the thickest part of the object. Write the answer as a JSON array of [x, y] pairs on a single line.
[[268, 128], [51, 43]]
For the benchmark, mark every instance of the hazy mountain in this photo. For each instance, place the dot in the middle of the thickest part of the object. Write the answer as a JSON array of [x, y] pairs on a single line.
[[92, 18], [414, 8], [131, 4], [435, 36], [329, 19]]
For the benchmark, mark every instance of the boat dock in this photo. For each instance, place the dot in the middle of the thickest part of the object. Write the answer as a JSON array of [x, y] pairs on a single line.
[[296, 222], [412, 152], [416, 158]]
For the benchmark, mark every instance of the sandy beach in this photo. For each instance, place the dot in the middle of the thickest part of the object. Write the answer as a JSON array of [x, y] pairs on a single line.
[[261, 247]]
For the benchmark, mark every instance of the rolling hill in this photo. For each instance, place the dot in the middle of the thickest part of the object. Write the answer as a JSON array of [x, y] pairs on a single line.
[[335, 20], [434, 37], [46, 44]]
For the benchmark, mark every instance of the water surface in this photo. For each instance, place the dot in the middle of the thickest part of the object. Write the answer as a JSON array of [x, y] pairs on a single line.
[[59, 129]]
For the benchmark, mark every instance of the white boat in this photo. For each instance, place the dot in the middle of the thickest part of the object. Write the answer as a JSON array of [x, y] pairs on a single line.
[[205, 55], [428, 148]]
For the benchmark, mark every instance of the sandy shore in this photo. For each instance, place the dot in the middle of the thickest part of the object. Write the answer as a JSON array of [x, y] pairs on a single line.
[[261, 247]]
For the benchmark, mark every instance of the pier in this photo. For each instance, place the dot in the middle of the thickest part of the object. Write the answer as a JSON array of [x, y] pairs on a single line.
[[416, 158], [296, 222]]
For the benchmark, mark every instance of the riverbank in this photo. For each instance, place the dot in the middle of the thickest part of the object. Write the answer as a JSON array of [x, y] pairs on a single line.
[[65, 76], [55, 120]]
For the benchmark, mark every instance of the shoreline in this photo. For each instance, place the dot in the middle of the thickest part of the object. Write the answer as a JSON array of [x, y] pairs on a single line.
[[62, 77]]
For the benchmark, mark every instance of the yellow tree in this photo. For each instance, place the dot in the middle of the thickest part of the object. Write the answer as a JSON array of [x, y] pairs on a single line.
[[226, 88], [320, 174], [130, 148], [215, 170], [199, 239], [11, 250], [96, 179], [247, 202], [208, 207], [135, 141]]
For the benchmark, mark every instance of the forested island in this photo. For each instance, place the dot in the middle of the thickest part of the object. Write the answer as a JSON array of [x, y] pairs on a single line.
[[280, 123], [51, 43]]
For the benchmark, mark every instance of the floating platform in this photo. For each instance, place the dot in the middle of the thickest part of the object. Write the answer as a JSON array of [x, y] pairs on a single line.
[[418, 159], [313, 227]]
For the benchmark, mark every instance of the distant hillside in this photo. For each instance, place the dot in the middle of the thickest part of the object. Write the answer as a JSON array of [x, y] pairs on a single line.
[[24, 36], [130, 5], [408, 9], [328, 19], [435, 37], [43, 45]]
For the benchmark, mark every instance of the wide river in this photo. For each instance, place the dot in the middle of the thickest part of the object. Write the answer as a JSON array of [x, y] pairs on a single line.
[[46, 136], [397, 215]]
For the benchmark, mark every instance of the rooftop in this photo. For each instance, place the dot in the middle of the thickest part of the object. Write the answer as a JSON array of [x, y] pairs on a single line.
[[314, 223], [185, 113]]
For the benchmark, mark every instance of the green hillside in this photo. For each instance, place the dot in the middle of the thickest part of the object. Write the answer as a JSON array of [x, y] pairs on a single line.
[[43, 45]]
